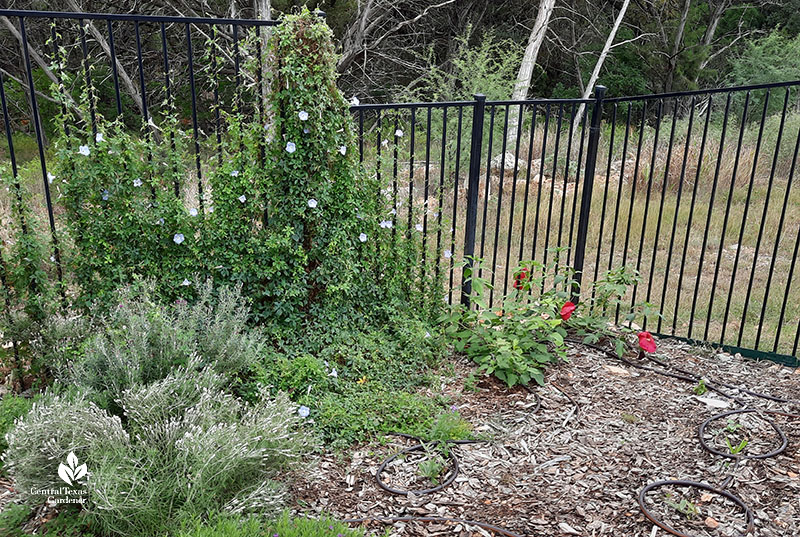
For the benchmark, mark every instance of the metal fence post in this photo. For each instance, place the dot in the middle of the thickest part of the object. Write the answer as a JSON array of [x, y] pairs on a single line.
[[588, 183], [472, 194]]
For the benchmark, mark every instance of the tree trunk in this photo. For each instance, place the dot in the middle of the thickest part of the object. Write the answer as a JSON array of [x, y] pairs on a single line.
[[525, 73], [676, 47], [532, 50], [599, 64]]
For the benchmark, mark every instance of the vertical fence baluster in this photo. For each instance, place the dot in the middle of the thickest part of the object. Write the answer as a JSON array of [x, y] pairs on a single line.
[[195, 129], [691, 217], [499, 208], [552, 186], [440, 196], [600, 236], [454, 223], [88, 76], [513, 201], [114, 67], [778, 237], [588, 183], [527, 183], [677, 212], [647, 197], [708, 216], [476, 140], [423, 268], [789, 282], [37, 124], [731, 289], [674, 109], [763, 221], [570, 133], [487, 189], [541, 178], [575, 190]]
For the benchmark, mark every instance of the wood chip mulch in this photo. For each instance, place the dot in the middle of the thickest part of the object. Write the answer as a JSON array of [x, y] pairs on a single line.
[[576, 465]]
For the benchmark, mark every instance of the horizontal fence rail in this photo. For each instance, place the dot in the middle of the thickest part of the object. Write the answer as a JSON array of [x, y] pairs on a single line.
[[697, 191]]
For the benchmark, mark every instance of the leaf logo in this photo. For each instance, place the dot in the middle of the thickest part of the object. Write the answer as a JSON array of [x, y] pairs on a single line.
[[71, 473]]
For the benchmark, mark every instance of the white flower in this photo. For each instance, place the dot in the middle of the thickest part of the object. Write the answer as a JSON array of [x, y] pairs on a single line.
[[363, 237], [384, 143], [303, 115], [53, 258], [186, 282], [354, 101], [178, 238], [303, 411], [235, 173], [137, 182], [427, 334], [386, 224], [84, 150], [448, 254], [290, 147], [398, 133], [342, 150], [50, 177], [419, 227], [333, 373], [312, 203], [193, 211], [98, 137], [242, 198]]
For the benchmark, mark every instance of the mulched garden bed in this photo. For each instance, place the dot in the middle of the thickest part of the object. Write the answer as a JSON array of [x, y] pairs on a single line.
[[575, 464]]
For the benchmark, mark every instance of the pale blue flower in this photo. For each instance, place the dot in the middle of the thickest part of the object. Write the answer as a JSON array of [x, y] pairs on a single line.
[[343, 150], [50, 178], [98, 137], [105, 195], [235, 173], [242, 198], [178, 238], [290, 147], [303, 115], [398, 133], [333, 373], [84, 150], [186, 283], [363, 237], [385, 143], [386, 224], [448, 254], [306, 130], [419, 227], [312, 203], [160, 222], [393, 211], [137, 182], [193, 211], [427, 334], [303, 411]]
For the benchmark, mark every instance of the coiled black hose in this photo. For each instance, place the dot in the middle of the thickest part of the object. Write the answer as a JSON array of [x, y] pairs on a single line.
[[714, 386]]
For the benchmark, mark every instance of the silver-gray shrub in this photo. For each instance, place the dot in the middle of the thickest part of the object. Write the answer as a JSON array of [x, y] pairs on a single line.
[[144, 340], [187, 448]]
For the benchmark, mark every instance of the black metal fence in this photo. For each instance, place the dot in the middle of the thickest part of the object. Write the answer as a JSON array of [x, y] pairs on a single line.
[[695, 190]]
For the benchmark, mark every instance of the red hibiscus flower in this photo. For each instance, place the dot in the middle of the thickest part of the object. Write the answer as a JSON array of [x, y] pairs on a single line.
[[646, 342], [519, 279], [566, 310]]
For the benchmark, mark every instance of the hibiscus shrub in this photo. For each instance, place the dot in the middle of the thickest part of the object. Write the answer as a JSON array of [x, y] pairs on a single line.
[[517, 339]]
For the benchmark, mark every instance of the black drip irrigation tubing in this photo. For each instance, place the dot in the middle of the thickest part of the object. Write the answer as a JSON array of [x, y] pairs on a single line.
[[451, 477], [717, 387]]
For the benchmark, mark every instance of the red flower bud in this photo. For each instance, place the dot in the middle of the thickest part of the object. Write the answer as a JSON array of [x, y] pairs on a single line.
[[566, 310], [519, 279], [646, 342]]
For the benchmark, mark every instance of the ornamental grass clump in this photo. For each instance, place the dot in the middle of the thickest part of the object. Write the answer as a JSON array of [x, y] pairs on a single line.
[[182, 448]]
